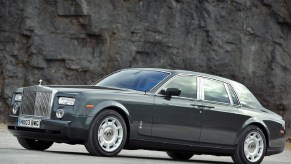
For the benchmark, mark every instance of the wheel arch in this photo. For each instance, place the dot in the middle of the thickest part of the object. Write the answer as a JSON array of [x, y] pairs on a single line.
[[260, 124], [124, 116], [113, 105]]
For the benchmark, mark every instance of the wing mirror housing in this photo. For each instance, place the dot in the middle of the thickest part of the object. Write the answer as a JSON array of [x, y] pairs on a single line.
[[169, 92]]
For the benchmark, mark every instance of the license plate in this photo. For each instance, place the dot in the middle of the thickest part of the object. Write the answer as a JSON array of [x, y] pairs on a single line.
[[28, 122]]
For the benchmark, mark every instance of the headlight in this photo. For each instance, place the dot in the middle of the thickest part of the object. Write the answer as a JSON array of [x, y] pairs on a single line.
[[66, 101], [18, 97]]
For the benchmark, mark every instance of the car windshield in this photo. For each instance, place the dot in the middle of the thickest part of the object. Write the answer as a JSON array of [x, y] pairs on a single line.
[[140, 80]]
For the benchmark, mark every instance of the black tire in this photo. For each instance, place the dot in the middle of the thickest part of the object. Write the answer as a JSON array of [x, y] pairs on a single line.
[[183, 156], [32, 144], [239, 156], [92, 144]]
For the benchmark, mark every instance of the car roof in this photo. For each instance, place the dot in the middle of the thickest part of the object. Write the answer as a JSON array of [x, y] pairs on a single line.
[[177, 72]]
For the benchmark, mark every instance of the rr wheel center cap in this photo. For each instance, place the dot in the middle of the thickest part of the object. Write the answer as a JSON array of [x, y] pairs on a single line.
[[108, 134], [252, 147]]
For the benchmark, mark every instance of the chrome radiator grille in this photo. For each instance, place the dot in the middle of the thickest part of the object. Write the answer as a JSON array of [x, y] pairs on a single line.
[[36, 101]]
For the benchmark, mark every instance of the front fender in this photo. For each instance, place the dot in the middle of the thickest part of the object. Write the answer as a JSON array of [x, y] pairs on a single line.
[[105, 105]]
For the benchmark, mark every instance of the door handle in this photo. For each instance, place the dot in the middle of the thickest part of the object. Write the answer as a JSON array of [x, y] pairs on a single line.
[[202, 106]]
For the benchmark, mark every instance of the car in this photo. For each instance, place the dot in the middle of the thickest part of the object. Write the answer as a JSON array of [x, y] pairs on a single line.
[[180, 112]]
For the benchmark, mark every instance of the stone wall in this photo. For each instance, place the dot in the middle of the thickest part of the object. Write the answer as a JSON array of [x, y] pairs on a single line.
[[79, 41]]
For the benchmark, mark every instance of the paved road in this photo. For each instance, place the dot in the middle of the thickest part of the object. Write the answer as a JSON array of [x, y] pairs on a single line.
[[12, 153]]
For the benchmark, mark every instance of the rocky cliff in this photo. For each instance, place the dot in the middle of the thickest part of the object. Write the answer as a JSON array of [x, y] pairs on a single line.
[[79, 41]]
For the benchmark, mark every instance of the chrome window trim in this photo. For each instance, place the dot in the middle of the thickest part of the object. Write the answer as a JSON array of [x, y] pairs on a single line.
[[217, 102], [174, 77], [235, 94], [169, 74], [162, 87], [228, 93], [201, 89], [179, 97]]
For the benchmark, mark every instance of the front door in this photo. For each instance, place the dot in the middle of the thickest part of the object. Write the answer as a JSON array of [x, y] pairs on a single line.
[[180, 117]]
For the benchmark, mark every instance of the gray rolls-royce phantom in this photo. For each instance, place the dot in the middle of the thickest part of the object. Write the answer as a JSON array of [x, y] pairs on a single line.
[[180, 112]]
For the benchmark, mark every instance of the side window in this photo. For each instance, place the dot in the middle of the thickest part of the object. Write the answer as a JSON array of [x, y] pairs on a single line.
[[233, 96], [215, 91], [187, 84]]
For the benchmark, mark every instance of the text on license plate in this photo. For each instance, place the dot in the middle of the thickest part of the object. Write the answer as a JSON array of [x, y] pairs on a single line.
[[28, 122]]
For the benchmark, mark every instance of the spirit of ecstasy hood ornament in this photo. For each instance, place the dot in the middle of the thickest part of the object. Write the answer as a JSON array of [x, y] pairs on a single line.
[[40, 82]]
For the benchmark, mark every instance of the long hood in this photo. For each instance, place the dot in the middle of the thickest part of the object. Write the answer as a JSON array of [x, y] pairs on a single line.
[[79, 88], [75, 89]]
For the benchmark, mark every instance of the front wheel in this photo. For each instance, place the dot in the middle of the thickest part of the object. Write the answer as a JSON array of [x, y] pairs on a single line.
[[180, 155], [107, 134], [32, 144], [251, 147]]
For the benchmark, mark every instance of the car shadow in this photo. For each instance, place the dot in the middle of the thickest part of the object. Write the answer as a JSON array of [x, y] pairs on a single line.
[[140, 157], [165, 159], [125, 156]]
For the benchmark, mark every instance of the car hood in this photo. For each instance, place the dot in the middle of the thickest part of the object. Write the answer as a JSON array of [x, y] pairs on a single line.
[[79, 88]]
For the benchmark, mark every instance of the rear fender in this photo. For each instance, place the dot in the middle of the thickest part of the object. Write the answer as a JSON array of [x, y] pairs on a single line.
[[257, 122]]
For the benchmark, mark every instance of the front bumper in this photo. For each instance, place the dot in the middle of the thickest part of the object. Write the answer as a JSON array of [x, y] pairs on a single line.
[[51, 130]]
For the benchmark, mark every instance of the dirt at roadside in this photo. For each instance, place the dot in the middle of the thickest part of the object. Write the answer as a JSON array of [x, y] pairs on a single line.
[[3, 127]]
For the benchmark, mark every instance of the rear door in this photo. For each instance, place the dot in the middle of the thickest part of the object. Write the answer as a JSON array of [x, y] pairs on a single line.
[[220, 115]]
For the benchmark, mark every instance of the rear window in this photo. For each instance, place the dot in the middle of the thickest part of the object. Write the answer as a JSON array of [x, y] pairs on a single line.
[[245, 96], [215, 91]]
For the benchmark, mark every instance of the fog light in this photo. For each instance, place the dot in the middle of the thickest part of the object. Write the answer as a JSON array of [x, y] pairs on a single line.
[[60, 113], [15, 108]]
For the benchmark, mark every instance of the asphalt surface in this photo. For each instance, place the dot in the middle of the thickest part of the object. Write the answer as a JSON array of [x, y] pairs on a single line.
[[12, 153]]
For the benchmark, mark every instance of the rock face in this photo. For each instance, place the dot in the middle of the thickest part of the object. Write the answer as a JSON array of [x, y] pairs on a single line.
[[79, 41]]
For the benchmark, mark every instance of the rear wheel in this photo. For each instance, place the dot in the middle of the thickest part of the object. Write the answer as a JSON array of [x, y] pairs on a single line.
[[251, 147], [32, 144], [107, 134], [180, 155]]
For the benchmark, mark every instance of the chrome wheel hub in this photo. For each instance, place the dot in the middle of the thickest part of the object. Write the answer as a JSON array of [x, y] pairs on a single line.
[[110, 134], [253, 146]]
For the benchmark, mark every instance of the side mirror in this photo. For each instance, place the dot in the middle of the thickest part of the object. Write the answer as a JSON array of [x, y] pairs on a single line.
[[169, 92]]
